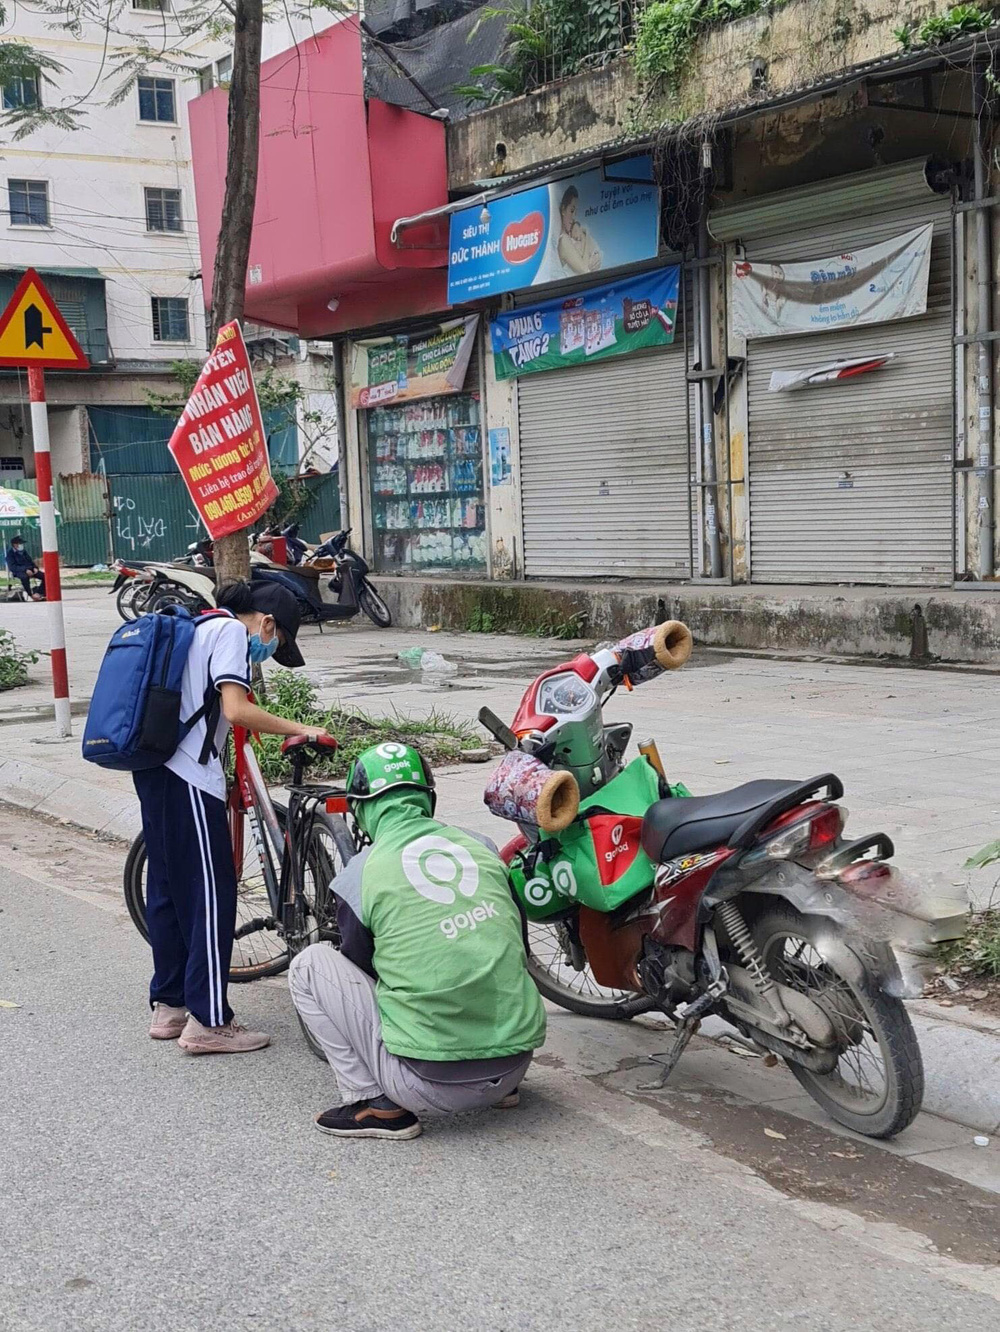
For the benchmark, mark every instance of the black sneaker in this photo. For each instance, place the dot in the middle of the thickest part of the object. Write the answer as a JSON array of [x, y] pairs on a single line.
[[377, 1118]]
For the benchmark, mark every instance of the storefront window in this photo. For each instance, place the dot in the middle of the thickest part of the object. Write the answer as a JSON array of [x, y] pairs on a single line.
[[426, 468]]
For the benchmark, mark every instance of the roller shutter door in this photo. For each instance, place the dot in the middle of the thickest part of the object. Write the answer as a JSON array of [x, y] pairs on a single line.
[[851, 482], [604, 468]]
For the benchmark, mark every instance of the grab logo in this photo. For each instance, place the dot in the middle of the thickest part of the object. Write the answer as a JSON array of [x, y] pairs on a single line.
[[522, 240], [439, 869], [616, 844]]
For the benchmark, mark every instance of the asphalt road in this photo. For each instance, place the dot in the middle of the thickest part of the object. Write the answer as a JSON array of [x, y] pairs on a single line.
[[142, 1189]]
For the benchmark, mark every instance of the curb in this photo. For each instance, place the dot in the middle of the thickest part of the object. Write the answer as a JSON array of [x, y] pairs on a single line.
[[84, 805]]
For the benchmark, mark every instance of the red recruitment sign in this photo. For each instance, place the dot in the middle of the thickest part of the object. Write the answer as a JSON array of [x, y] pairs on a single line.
[[219, 443]]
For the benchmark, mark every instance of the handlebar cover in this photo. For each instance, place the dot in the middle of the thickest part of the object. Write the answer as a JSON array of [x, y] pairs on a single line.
[[527, 791], [648, 653]]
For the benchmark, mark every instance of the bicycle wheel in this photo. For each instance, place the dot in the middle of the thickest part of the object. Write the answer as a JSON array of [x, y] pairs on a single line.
[[258, 949], [330, 847]]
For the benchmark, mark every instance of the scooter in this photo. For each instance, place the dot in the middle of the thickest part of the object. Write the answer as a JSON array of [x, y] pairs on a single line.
[[749, 904], [332, 584]]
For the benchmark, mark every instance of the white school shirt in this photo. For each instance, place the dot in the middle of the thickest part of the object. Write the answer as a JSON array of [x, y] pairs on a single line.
[[220, 651]]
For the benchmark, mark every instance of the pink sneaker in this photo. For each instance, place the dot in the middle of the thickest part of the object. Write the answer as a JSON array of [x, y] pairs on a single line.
[[230, 1039], [167, 1023]]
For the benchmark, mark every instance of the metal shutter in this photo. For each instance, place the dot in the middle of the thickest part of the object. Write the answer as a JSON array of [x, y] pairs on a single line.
[[851, 482], [604, 468]]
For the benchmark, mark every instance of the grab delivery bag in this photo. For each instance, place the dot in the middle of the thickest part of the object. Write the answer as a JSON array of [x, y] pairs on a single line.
[[598, 861]]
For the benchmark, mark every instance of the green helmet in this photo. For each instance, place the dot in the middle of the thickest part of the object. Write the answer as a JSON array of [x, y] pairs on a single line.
[[388, 767]]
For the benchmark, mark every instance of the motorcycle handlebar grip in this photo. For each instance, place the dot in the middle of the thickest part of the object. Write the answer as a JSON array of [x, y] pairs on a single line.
[[672, 643]]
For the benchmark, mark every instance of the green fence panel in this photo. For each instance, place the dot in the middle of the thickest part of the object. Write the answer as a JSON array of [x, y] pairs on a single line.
[[282, 439], [321, 512], [82, 525], [152, 517]]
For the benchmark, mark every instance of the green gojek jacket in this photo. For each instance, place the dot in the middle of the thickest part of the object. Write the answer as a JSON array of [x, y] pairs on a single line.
[[427, 910]]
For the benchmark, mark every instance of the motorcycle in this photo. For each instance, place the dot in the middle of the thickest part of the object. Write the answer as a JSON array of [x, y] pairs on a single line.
[[748, 904], [338, 596]]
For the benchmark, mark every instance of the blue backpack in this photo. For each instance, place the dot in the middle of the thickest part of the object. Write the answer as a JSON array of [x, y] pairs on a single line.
[[134, 720]]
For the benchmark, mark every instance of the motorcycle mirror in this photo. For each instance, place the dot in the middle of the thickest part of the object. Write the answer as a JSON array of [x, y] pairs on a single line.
[[498, 730]]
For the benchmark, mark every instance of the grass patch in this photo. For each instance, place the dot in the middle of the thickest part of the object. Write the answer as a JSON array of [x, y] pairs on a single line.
[[977, 955], [13, 662], [439, 737], [104, 578], [552, 624]]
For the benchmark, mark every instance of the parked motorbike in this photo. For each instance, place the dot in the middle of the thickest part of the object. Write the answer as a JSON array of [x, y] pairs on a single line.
[[332, 584], [749, 904]]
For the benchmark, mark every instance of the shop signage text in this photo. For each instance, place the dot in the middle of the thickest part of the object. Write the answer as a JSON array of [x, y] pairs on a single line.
[[551, 233], [869, 286], [219, 442], [405, 367], [590, 326]]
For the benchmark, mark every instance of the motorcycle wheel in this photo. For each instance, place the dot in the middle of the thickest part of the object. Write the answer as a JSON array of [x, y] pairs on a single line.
[[125, 602], [558, 979], [373, 605], [877, 1086], [171, 595]]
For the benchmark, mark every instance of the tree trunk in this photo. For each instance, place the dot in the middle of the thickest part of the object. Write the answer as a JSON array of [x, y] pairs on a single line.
[[232, 553]]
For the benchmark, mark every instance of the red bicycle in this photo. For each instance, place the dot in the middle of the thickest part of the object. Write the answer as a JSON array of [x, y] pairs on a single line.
[[285, 856]]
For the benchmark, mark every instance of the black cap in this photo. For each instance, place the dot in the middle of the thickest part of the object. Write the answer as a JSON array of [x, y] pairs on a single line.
[[276, 601]]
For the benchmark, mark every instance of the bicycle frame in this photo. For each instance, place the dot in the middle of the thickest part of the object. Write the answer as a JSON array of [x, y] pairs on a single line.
[[278, 850]]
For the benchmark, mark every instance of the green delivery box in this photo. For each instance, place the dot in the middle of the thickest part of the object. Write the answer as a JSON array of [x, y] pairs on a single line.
[[598, 861]]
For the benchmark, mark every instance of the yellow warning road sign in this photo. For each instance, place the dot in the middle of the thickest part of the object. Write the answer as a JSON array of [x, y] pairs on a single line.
[[33, 332]]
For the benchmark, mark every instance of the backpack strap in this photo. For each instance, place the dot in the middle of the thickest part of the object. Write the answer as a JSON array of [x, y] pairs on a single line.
[[211, 707]]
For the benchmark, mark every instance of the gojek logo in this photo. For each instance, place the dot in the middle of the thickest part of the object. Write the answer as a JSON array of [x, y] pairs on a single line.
[[439, 870]]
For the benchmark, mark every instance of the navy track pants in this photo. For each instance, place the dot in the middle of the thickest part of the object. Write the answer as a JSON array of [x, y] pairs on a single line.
[[190, 894]]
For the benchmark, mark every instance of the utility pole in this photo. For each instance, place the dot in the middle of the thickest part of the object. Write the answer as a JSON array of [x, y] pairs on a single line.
[[232, 553]]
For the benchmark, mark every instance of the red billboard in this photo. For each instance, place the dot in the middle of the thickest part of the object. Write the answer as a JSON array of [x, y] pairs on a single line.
[[219, 442]]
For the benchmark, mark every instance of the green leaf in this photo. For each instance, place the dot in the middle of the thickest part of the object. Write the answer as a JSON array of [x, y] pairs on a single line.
[[988, 855]]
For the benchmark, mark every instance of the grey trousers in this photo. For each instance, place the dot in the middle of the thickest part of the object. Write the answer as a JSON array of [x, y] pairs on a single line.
[[336, 1001]]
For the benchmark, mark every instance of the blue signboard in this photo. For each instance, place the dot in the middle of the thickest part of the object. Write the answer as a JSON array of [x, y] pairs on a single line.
[[634, 314], [572, 228]]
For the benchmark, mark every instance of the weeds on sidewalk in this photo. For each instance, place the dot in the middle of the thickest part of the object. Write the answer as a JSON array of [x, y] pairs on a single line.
[[970, 966], [13, 662], [440, 737]]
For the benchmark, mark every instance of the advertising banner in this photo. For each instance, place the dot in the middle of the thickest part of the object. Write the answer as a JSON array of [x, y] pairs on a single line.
[[869, 286], [590, 326], [405, 367], [219, 442], [569, 229]]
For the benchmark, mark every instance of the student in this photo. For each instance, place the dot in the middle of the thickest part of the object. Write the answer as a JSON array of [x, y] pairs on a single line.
[[190, 876], [23, 567]]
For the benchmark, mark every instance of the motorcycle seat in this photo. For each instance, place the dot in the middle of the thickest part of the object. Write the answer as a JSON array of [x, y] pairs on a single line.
[[683, 824]]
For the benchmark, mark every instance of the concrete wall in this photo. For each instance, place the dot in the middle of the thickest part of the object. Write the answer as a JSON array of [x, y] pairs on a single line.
[[799, 42]]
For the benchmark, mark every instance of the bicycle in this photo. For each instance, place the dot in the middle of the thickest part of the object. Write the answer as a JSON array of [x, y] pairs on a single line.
[[283, 868]]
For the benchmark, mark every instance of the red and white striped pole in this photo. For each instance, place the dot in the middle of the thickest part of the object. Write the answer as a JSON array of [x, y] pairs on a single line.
[[50, 548]]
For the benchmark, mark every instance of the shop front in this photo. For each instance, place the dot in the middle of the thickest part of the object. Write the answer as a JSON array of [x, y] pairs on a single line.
[[419, 413], [588, 371], [841, 294]]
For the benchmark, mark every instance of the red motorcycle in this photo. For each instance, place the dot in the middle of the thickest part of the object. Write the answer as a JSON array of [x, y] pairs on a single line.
[[749, 904]]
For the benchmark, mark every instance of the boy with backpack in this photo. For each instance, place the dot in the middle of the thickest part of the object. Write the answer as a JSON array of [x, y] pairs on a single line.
[[168, 691]]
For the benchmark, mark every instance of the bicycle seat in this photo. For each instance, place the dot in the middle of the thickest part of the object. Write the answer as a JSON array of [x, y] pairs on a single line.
[[298, 741], [680, 825]]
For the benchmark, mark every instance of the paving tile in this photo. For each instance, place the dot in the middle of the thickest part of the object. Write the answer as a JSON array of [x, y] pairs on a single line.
[[976, 1165]]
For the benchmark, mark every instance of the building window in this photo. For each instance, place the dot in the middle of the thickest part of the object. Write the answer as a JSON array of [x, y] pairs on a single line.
[[163, 210], [29, 203], [155, 6], [23, 92], [170, 319], [156, 100], [219, 75]]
